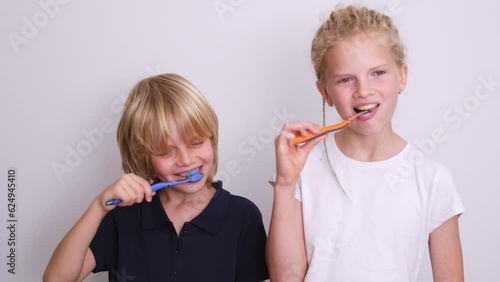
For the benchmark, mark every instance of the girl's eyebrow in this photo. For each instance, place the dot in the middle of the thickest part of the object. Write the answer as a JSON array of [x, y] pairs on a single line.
[[340, 75], [379, 66], [335, 75]]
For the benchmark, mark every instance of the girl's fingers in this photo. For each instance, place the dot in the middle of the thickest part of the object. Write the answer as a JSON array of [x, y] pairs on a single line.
[[288, 137], [293, 129], [290, 158], [311, 143]]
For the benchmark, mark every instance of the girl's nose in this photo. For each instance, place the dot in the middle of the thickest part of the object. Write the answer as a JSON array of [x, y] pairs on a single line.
[[363, 89]]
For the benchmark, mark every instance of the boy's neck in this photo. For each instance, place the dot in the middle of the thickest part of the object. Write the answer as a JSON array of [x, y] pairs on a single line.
[[178, 198], [186, 205]]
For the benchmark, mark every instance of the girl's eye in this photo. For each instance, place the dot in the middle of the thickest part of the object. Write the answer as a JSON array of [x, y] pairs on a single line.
[[379, 72], [344, 80]]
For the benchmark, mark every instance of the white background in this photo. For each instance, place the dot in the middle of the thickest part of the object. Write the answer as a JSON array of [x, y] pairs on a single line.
[[65, 69]]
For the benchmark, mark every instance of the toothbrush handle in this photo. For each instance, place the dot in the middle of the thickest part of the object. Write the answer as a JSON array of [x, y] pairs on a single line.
[[155, 187], [113, 202], [322, 131], [160, 185], [327, 129]]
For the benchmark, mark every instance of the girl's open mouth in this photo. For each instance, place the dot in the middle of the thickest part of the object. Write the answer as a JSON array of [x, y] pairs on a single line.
[[369, 107]]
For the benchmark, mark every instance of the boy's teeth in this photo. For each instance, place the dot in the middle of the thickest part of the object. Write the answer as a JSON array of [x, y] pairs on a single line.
[[185, 174]]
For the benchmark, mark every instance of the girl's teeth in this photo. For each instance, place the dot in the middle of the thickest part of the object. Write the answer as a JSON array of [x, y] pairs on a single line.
[[366, 107]]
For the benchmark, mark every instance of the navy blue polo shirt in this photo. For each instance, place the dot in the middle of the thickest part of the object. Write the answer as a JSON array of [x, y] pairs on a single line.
[[226, 242]]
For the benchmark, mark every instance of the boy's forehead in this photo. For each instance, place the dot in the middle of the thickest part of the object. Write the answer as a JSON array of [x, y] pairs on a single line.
[[168, 138]]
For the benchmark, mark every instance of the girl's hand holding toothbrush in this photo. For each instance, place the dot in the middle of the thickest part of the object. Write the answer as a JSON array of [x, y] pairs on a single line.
[[290, 158]]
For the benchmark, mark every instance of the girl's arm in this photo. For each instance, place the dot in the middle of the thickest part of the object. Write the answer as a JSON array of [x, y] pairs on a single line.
[[72, 260], [446, 252], [286, 251]]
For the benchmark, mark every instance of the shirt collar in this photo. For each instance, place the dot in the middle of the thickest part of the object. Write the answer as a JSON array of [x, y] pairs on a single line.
[[152, 214], [210, 219]]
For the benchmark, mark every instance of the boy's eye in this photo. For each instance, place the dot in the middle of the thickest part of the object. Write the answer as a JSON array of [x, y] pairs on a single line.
[[168, 153], [379, 72], [198, 142]]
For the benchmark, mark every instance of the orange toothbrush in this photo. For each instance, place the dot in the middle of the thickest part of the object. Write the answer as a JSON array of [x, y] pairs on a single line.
[[327, 129]]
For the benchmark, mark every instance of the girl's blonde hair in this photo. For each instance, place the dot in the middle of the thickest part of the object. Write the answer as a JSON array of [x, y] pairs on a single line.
[[144, 127], [351, 21]]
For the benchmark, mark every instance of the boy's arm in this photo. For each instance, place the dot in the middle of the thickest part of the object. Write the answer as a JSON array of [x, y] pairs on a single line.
[[72, 260], [446, 252], [286, 252]]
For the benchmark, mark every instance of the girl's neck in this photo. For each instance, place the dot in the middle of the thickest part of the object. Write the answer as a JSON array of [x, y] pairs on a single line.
[[378, 147]]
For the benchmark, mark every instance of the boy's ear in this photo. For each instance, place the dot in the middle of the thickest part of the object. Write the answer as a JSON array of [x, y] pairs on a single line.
[[324, 93], [403, 73]]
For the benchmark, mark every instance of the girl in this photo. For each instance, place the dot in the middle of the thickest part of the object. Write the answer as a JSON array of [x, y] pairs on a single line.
[[189, 232], [342, 215]]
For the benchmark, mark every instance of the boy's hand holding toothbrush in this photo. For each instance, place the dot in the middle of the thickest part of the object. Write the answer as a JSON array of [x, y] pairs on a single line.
[[129, 188]]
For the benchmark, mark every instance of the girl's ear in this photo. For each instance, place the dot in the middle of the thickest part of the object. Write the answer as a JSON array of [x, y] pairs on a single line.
[[403, 73], [324, 93]]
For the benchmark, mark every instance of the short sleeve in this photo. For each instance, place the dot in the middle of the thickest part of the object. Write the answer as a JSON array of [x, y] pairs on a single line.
[[445, 201], [104, 244], [298, 190], [251, 260]]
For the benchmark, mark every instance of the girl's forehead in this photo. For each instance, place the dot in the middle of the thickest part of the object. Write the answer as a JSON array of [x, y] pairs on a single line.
[[358, 52], [357, 44]]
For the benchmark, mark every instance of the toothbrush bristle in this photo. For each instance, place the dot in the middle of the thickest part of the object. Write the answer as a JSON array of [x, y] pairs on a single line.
[[364, 113], [193, 177]]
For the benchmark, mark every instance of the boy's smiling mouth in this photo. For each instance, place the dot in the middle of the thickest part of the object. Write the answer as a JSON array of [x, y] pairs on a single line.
[[186, 174]]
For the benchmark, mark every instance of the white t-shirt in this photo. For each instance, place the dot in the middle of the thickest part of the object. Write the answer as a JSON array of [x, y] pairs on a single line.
[[370, 221]]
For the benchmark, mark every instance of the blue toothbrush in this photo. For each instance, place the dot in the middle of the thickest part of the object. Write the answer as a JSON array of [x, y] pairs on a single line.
[[193, 176]]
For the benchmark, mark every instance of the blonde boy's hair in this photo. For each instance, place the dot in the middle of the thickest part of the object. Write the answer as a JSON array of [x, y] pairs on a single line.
[[346, 23], [144, 127]]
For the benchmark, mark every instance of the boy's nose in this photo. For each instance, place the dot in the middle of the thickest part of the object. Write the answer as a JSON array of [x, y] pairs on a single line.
[[185, 157]]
